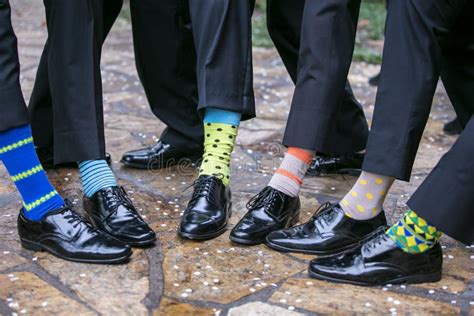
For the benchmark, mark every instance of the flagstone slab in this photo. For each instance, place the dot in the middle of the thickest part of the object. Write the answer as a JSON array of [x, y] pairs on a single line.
[[340, 299], [260, 309], [219, 271], [110, 289], [26, 293], [171, 307]]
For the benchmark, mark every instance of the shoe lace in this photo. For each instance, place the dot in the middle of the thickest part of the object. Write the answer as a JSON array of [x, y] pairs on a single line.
[[324, 212], [74, 218], [115, 198], [322, 215], [204, 187], [375, 240], [265, 198]]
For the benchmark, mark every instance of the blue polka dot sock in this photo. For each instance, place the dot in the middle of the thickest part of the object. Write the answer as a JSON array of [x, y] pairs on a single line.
[[18, 154], [96, 175]]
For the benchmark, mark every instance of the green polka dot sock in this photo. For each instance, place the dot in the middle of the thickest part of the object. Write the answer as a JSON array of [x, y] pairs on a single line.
[[218, 147], [365, 200], [220, 132], [413, 234]]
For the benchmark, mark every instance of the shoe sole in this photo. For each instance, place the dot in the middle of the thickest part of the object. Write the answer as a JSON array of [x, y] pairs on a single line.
[[347, 171], [148, 167], [309, 252], [33, 246], [246, 241], [207, 236], [411, 279], [249, 242], [144, 243], [202, 237]]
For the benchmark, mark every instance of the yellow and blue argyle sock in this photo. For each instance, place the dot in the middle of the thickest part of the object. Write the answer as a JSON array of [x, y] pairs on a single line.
[[220, 131], [18, 154], [413, 234]]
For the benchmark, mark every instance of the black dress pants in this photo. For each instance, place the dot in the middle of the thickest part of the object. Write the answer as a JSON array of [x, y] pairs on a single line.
[[190, 55], [316, 41], [66, 105], [13, 112], [424, 39]]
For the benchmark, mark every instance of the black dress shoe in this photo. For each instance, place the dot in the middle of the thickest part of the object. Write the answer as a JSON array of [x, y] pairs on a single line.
[[46, 157], [329, 231], [208, 211], [160, 155], [379, 261], [68, 236], [453, 128], [111, 211], [374, 81], [326, 165], [269, 210]]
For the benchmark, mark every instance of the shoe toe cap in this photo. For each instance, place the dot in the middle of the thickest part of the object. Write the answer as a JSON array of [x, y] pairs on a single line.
[[103, 247], [141, 233], [327, 266], [197, 224], [281, 237]]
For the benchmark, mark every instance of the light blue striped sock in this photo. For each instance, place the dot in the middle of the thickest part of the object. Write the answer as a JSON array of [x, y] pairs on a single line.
[[96, 175]]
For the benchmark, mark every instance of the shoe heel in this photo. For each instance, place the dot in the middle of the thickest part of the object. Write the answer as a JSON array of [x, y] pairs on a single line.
[[30, 245], [230, 209], [351, 172], [295, 220], [422, 278]]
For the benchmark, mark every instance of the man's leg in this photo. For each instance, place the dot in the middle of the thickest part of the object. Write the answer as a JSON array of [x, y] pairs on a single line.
[[41, 104], [166, 62], [70, 57], [77, 31], [328, 34], [300, 34], [222, 36], [417, 30], [16, 143], [402, 107], [284, 24], [446, 197], [46, 221]]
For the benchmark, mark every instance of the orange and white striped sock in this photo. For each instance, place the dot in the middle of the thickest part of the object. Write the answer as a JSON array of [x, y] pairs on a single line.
[[289, 177]]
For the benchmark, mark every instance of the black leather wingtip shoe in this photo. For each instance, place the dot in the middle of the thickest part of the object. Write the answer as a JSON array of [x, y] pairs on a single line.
[[158, 156], [268, 211], [328, 165], [111, 211], [329, 231], [68, 236], [208, 211], [379, 261]]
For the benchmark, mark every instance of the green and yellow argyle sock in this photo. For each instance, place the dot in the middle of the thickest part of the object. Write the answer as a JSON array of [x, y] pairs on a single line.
[[413, 234], [220, 132]]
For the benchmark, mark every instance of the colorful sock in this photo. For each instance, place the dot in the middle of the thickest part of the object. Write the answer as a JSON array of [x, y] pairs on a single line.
[[413, 234], [365, 200], [96, 175], [289, 177], [220, 130], [18, 154]]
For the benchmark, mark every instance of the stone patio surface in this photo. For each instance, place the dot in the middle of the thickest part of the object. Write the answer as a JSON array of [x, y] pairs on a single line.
[[178, 277]]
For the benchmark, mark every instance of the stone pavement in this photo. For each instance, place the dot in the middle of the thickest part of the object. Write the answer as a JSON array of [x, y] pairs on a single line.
[[217, 277]]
